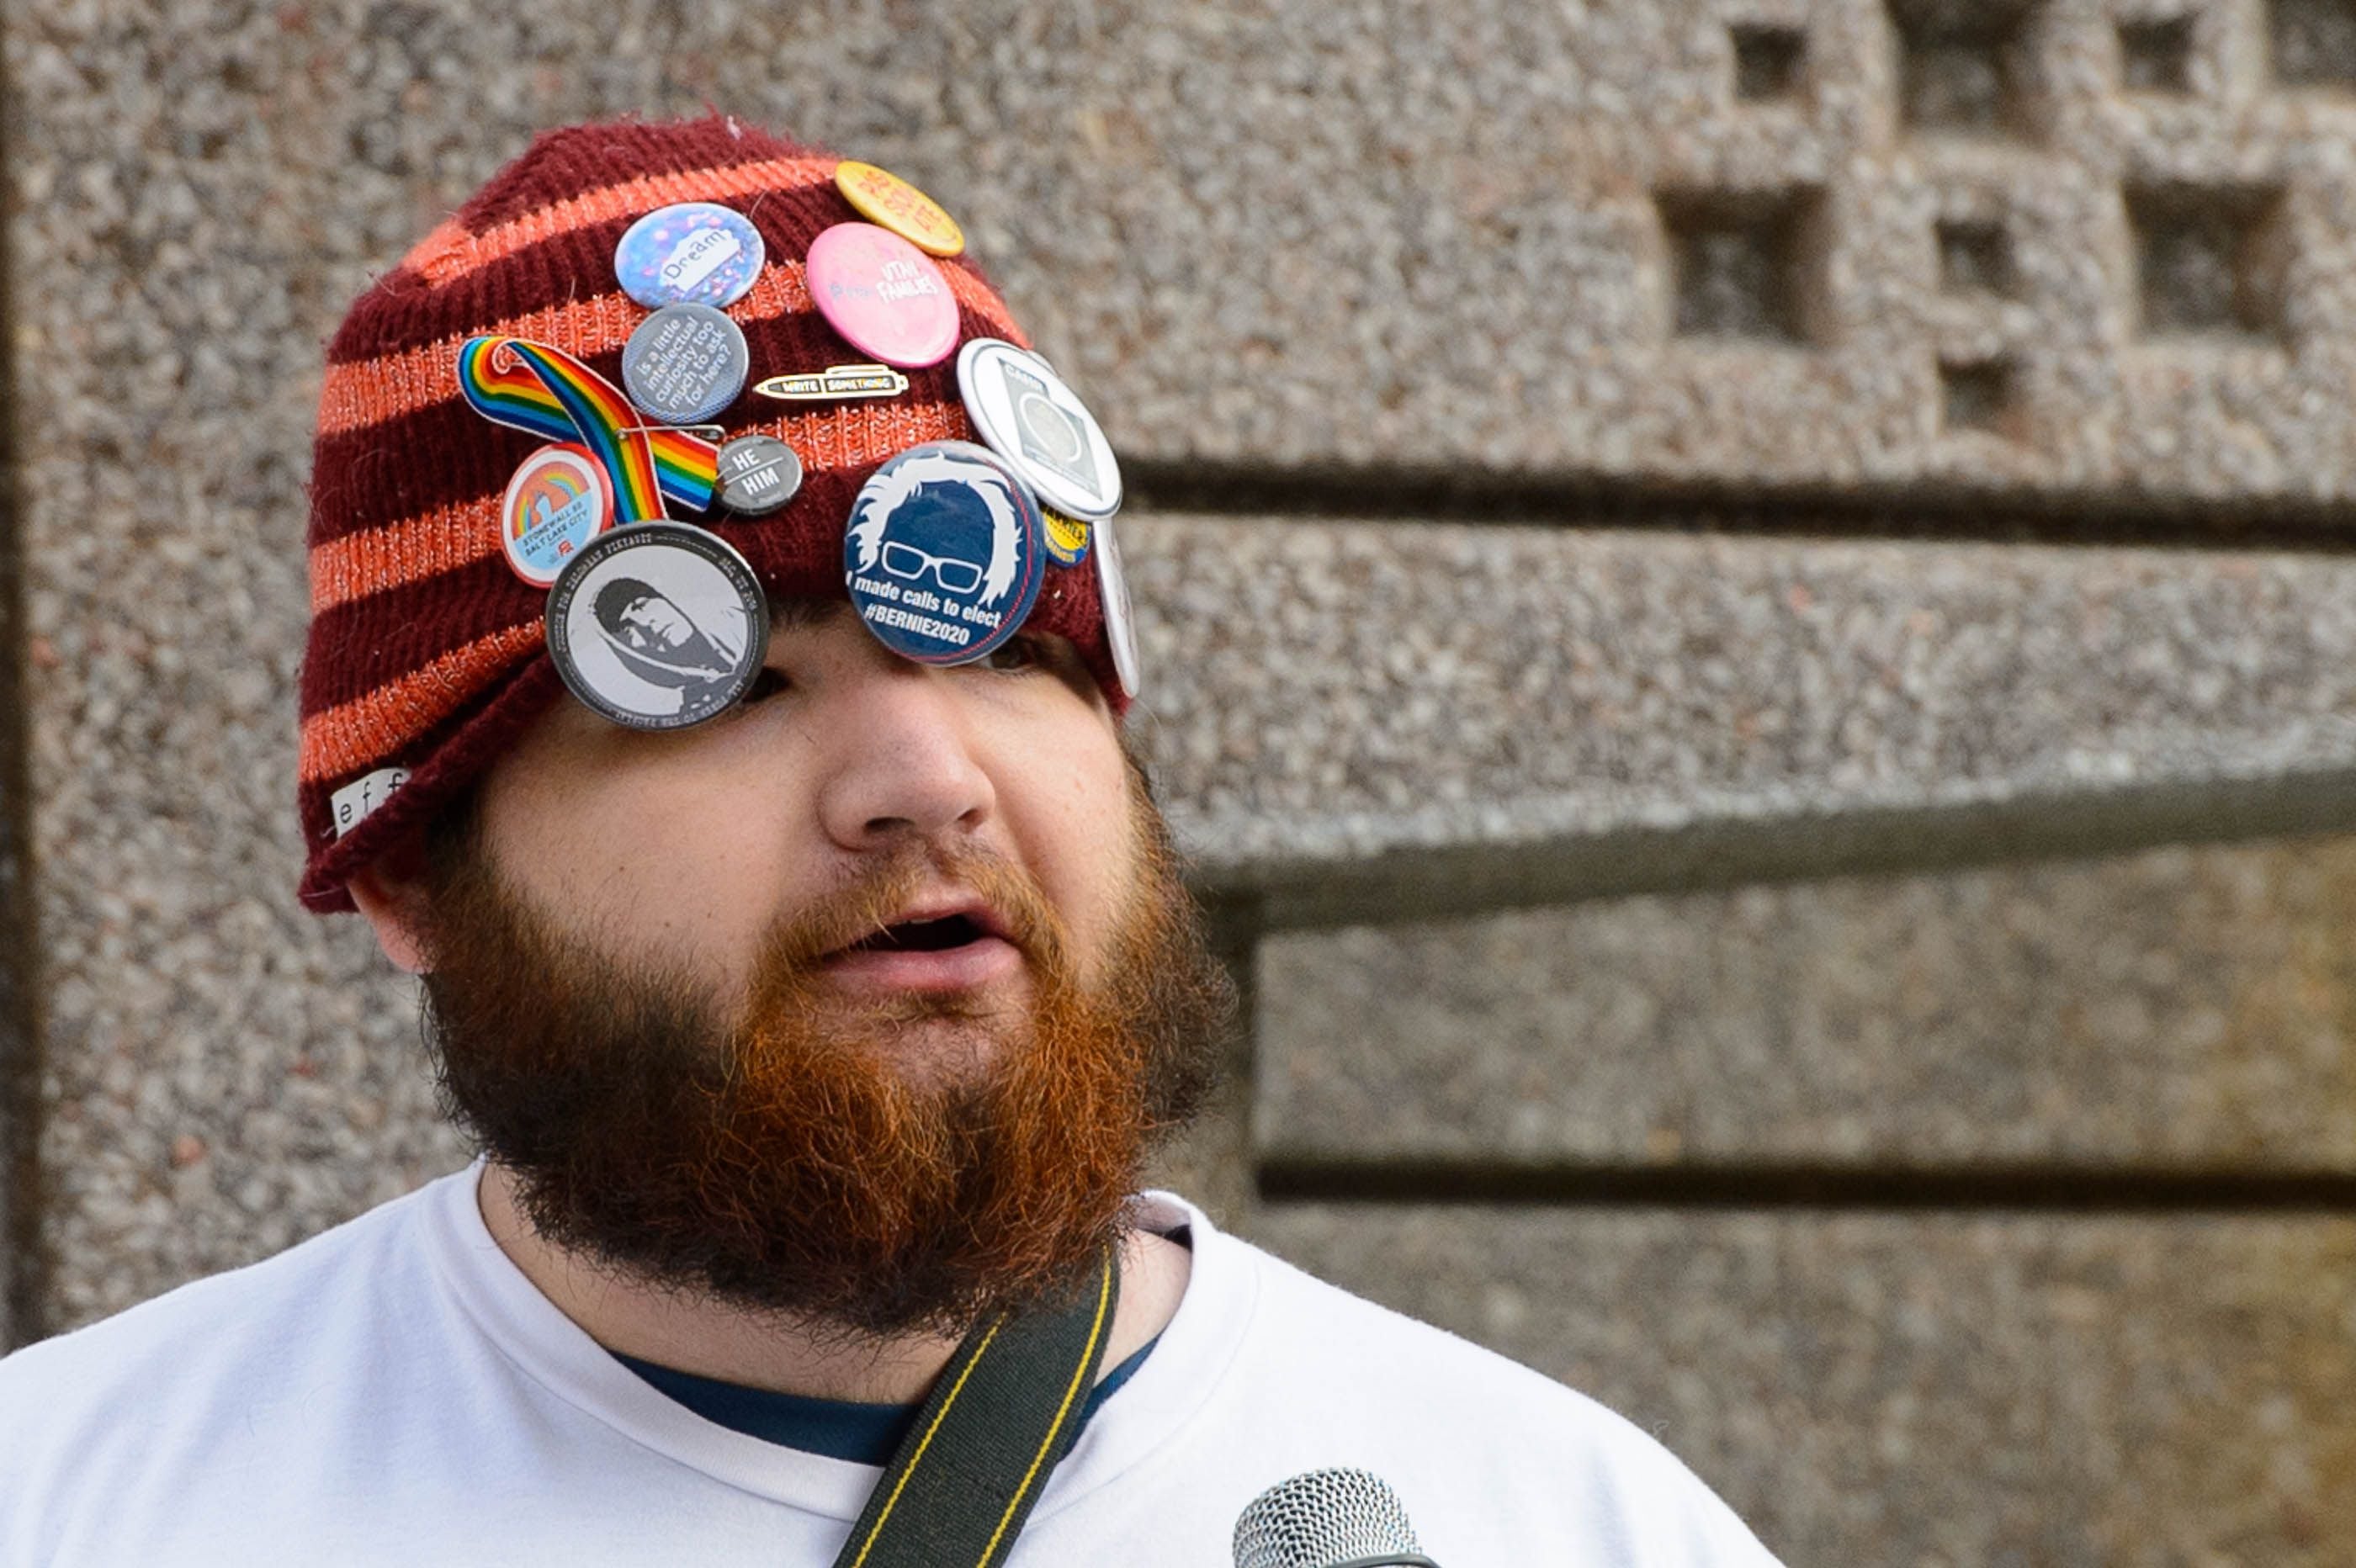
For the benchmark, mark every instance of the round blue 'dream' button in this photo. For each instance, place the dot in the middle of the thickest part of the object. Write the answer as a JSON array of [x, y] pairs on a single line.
[[697, 252], [944, 553]]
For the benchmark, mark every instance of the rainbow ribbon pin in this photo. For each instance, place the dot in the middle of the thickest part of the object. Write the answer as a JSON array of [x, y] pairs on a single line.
[[532, 387]]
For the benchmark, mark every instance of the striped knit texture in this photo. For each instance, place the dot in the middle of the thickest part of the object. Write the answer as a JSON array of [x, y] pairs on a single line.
[[425, 651]]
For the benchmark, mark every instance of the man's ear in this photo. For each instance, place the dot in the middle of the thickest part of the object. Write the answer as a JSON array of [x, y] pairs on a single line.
[[390, 893]]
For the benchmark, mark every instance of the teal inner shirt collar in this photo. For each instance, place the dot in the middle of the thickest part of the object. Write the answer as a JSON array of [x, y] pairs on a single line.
[[837, 1428]]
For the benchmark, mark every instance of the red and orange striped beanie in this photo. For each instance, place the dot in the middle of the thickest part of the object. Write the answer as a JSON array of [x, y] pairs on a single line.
[[426, 656]]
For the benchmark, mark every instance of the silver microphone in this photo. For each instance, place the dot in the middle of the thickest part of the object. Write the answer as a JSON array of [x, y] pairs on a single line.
[[1328, 1519]]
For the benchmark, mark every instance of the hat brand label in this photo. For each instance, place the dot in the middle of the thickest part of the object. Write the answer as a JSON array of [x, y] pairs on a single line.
[[354, 802]]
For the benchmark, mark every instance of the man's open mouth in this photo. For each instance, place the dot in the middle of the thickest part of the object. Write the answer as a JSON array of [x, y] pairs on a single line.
[[944, 923], [939, 935]]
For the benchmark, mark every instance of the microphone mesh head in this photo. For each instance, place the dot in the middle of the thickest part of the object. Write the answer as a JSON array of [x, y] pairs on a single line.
[[1320, 1518]]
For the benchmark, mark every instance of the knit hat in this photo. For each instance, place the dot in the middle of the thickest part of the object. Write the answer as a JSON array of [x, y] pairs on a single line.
[[425, 658]]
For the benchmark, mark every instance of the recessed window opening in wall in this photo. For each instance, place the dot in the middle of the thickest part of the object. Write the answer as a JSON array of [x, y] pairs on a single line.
[[1767, 61], [1964, 65], [1978, 395], [2210, 260], [1740, 263], [2313, 42], [2156, 54], [1974, 257]]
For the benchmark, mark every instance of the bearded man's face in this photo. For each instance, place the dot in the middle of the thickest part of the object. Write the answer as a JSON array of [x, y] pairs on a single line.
[[862, 1004]]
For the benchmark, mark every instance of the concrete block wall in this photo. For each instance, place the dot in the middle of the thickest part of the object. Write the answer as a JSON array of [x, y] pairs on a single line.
[[1749, 619]]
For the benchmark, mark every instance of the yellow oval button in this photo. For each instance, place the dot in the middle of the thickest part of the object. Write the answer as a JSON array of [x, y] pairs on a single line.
[[885, 198], [1067, 538]]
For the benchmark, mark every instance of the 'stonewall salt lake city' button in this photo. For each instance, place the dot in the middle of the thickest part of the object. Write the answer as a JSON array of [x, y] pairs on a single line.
[[558, 501]]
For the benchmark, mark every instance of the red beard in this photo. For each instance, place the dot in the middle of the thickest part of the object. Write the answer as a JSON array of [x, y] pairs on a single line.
[[787, 1164]]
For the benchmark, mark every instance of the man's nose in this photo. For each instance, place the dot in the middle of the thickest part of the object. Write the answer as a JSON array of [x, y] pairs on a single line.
[[899, 764]]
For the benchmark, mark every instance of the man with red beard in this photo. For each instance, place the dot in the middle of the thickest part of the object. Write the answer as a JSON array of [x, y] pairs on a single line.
[[815, 1043]]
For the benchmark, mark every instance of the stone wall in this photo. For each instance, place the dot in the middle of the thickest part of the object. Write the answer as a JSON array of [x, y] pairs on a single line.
[[1750, 620]]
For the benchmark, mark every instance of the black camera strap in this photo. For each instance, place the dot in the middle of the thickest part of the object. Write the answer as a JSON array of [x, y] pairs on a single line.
[[1002, 1416]]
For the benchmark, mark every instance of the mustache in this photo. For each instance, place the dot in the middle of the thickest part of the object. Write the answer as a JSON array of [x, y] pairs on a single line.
[[879, 891]]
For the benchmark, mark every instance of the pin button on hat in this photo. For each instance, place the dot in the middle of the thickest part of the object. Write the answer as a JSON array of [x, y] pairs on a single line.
[[758, 473], [884, 197], [685, 363], [658, 625], [1120, 618], [886, 297], [558, 501], [1024, 412], [834, 383], [1066, 538], [696, 252], [944, 555]]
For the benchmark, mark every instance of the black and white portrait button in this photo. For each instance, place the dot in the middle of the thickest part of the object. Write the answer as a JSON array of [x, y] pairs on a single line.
[[658, 625]]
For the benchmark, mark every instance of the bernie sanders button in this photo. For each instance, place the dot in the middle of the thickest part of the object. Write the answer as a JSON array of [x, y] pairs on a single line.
[[658, 625], [1026, 415], [944, 553]]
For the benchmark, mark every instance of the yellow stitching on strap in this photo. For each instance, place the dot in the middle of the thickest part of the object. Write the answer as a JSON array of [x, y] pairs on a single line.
[[918, 1458], [1104, 1296]]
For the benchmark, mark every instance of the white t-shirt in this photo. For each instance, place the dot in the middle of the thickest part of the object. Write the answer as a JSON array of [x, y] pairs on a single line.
[[395, 1392]]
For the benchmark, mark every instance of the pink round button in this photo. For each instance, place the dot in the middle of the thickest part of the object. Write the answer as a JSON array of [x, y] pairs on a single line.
[[887, 298]]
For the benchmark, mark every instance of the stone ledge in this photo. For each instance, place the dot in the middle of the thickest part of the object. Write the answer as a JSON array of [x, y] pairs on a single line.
[[1612, 711], [1909, 1389], [2185, 1009]]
